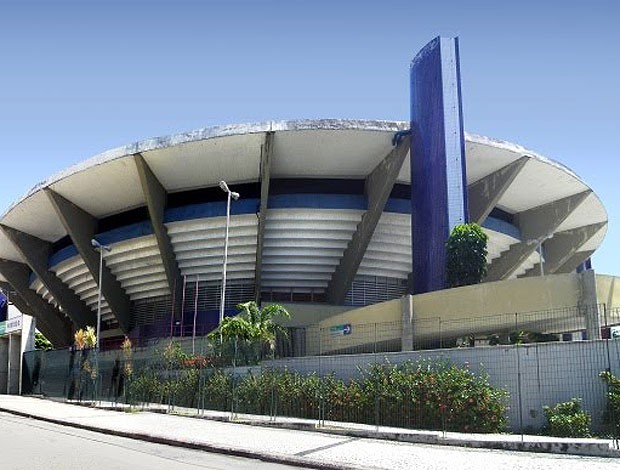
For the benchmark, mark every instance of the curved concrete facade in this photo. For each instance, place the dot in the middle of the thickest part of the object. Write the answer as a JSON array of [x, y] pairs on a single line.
[[305, 187]]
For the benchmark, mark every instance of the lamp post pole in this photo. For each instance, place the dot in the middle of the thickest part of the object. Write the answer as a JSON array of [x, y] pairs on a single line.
[[101, 248], [230, 195], [542, 261], [539, 249]]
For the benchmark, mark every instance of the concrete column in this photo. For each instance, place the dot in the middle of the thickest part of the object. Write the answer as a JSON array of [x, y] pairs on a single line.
[[36, 253], [4, 364], [378, 186], [52, 322], [484, 194], [406, 307], [575, 260], [535, 223], [14, 364], [156, 198], [265, 178], [81, 227], [559, 250], [588, 304]]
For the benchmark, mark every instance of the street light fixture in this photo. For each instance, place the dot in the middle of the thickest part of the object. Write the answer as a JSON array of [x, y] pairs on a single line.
[[230, 195], [101, 248]]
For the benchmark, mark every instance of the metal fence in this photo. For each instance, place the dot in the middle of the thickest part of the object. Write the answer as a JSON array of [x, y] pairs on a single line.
[[484, 374]]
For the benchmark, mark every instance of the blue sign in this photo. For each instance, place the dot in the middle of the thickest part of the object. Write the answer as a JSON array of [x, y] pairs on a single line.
[[340, 330]]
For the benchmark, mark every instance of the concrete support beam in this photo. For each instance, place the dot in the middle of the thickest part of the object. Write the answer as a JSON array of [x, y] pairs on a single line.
[[51, 321], [535, 224], [575, 260], [156, 202], [406, 306], [561, 248], [82, 227], [588, 304], [36, 252], [265, 178], [379, 185], [484, 194]]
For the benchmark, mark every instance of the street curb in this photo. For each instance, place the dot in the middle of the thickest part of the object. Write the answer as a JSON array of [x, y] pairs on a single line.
[[590, 449], [265, 457]]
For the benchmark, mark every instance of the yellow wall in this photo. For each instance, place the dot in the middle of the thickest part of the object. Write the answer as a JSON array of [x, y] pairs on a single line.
[[544, 304], [608, 290], [374, 323], [608, 293], [492, 298]]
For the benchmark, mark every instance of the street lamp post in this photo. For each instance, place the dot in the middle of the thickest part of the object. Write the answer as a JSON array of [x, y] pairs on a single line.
[[230, 195], [539, 248], [101, 248]]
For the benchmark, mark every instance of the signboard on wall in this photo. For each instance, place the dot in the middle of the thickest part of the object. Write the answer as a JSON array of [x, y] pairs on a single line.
[[340, 330], [11, 325]]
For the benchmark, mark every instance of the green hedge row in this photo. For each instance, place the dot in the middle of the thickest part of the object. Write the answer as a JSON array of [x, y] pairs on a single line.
[[422, 396]]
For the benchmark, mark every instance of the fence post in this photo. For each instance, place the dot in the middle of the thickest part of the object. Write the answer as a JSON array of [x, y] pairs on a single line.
[[519, 392], [234, 378], [377, 404], [610, 408], [321, 383]]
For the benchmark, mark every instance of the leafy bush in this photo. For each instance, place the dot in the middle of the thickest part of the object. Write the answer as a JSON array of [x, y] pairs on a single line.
[[41, 343], [423, 395], [436, 396], [567, 420], [612, 414], [466, 255]]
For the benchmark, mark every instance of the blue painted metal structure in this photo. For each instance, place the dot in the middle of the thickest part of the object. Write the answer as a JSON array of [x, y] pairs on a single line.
[[438, 175]]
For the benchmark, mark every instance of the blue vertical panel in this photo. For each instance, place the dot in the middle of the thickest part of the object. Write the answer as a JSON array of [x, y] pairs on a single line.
[[438, 179], [4, 307]]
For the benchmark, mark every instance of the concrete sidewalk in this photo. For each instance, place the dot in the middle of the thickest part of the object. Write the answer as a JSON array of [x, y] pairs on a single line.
[[291, 441]]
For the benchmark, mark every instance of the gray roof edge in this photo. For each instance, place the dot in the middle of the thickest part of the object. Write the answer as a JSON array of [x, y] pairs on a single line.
[[206, 133]]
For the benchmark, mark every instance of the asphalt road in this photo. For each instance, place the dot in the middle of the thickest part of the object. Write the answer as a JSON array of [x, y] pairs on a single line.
[[28, 444]]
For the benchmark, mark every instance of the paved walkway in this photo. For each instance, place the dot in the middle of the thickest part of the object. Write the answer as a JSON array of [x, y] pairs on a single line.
[[335, 446]]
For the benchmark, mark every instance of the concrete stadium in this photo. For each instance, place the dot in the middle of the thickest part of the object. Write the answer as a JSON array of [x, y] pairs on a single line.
[[305, 188]]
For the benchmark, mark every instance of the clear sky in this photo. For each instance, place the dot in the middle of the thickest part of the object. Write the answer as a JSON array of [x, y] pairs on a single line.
[[80, 77]]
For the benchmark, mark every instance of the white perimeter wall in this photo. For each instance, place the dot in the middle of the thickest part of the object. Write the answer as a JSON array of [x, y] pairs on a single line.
[[550, 373]]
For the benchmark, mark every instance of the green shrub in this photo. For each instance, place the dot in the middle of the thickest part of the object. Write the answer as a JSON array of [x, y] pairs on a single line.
[[435, 396], [424, 395], [567, 420], [612, 414], [466, 255]]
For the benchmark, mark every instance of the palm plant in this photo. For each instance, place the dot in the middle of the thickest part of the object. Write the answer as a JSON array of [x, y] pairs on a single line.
[[262, 321], [252, 325]]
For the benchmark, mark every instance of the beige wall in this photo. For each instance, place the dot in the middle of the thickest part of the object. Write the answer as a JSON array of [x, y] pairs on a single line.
[[608, 290], [608, 293], [308, 314], [543, 304], [492, 298], [369, 325]]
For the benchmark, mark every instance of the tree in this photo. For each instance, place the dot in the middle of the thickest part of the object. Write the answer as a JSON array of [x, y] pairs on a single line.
[[466, 255], [41, 343], [252, 324], [262, 321]]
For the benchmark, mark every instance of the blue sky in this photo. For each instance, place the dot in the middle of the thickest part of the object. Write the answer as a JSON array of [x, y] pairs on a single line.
[[81, 77]]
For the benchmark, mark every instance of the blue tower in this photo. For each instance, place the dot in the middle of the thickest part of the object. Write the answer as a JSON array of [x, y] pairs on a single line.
[[438, 174]]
